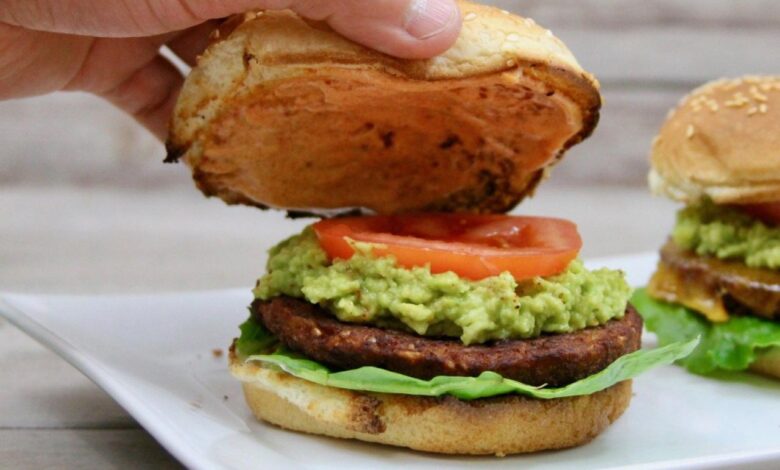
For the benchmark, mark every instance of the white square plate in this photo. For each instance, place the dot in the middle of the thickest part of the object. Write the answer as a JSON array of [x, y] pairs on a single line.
[[153, 354]]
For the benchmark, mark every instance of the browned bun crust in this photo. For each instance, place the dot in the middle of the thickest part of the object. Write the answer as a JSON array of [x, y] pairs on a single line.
[[286, 113], [500, 426], [552, 360], [722, 142]]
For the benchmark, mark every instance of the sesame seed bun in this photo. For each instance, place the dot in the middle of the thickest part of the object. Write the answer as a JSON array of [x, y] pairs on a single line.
[[285, 113], [500, 426], [721, 142]]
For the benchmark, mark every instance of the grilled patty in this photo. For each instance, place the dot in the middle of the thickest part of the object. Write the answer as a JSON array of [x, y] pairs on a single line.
[[554, 360], [742, 289]]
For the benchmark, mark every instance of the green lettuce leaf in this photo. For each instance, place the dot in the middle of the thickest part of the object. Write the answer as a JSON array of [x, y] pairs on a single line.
[[732, 345], [254, 339], [487, 384]]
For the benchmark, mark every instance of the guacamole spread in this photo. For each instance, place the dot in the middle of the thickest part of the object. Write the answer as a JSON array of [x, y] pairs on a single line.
[[367, 289], [727, 233]]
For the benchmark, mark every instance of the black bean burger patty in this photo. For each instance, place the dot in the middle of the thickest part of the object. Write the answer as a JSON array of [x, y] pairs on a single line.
[[744, 290], [555, 360]]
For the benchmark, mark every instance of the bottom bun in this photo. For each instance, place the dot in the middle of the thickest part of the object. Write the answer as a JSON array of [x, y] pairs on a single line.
[[503, 425], [768, 363]]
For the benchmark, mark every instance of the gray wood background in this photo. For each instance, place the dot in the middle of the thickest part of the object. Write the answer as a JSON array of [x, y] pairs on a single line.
[[87, 206]]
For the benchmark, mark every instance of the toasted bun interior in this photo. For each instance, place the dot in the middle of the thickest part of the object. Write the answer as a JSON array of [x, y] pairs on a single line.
[[500, 426], [286, 113], [721, 142]]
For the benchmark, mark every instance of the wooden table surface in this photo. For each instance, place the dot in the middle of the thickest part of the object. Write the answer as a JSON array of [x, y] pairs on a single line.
[[86, 207]]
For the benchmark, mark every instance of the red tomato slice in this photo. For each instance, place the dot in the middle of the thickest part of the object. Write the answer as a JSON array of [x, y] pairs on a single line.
[[767, 212], [472, 246]]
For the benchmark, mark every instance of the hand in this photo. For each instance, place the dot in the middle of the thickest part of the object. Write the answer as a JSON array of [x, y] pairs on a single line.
[[111, 47]]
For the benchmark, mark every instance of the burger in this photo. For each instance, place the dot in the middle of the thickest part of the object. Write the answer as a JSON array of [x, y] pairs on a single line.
[[422, 316], [719, 273]]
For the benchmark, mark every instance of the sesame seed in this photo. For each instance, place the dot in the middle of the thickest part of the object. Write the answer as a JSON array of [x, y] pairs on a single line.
[[752, 110], [548, 33], [690, 131], [470, 16], [763, 108], [504, 12], [214, 34], [757, 95], [737, 100], [735, 103], [530, 22], [511, 63], [513, 37], [250, 15]]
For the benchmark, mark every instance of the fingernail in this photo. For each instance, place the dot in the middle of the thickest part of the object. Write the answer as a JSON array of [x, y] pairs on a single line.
[[427, 18]]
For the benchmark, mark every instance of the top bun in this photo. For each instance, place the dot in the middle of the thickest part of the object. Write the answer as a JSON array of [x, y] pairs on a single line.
[[286, 113], [721, 142]]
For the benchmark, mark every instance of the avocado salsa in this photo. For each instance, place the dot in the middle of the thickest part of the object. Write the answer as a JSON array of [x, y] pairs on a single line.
[[727, 233], [374, 290]]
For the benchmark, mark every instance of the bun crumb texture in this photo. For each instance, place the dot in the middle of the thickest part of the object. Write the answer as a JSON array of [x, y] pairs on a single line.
[[286, 113]]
